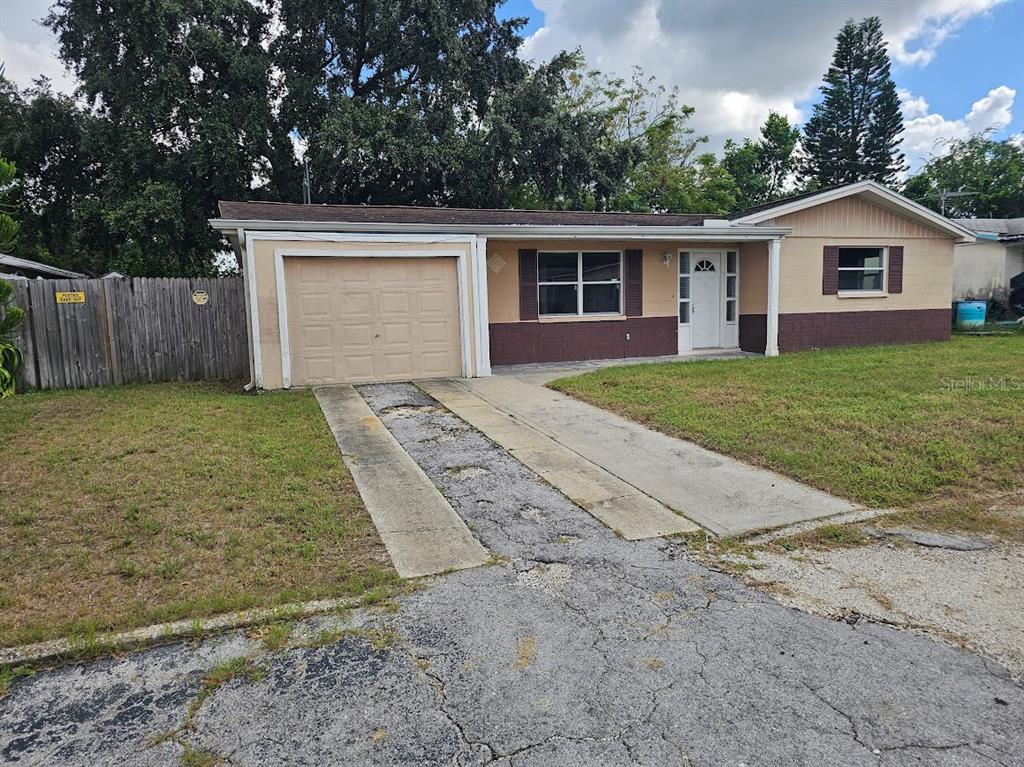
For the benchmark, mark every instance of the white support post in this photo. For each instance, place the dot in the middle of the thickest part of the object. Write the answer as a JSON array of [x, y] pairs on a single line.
[[483, 330], [771, 348]]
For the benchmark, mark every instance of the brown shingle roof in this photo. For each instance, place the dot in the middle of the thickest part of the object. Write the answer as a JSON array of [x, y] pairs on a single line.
[[400, 214]]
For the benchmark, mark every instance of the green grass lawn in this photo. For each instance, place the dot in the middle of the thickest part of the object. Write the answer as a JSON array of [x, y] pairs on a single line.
[[890, 426], [132, 505]]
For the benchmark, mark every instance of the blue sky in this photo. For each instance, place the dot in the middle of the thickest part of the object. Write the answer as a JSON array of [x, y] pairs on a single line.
[[959, 63]]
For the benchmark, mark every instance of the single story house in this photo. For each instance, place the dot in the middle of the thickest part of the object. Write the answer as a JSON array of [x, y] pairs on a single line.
[[356, 293], [13, 267], [982, 269]]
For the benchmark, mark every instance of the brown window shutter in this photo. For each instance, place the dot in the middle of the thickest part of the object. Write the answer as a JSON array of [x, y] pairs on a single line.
[[830, 271], [895, 268], [634, 283], [527, 284]]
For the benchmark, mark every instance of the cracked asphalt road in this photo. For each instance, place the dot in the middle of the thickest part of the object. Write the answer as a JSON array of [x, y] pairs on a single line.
[[576, 648]]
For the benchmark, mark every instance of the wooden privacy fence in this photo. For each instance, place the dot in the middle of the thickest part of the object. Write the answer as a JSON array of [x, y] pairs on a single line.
[[82, 333]]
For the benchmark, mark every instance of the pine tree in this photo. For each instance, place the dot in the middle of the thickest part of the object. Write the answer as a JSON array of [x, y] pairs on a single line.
[[854, 131]]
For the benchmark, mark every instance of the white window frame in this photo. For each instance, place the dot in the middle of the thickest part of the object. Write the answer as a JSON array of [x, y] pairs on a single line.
[[884, 269], [725, 288], [689, 285], [579, 283]]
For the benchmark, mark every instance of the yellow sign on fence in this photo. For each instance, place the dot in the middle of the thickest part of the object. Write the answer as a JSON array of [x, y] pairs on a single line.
[[74, 297]]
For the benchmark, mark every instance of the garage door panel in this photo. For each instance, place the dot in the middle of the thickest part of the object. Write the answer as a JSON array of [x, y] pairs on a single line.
[[372, 319], [396, 333], [434, 332], [320, 369], [436, 363], [395, 303], [356, 338], [353, 273], [354, 305], [315, 305], [316, 337], [357, 367]]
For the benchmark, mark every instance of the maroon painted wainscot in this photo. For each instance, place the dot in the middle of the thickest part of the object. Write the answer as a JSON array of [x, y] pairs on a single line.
[[517, 343]]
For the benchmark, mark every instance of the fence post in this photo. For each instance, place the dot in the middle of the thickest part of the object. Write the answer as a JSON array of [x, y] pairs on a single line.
[[109, 337]]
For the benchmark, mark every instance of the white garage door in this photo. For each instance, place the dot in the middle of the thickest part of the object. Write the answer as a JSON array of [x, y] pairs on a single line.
[[354, 320]]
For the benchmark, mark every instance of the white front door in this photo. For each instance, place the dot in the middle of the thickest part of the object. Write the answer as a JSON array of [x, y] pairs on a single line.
[[706, 304]]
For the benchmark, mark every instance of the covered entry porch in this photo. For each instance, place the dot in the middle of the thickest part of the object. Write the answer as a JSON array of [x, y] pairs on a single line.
[[572, 300]]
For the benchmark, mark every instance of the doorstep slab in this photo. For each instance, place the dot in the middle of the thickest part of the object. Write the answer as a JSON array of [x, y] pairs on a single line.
[[421, 531], [623, 508]]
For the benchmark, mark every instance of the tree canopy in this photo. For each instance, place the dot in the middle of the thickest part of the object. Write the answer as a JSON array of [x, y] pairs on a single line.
[[398, 102], [762, 170], [991, 173], [854, 131]]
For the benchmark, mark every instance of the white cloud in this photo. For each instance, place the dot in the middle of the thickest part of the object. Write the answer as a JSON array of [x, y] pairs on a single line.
[[930, 134], [26, 62], [912, 106], [915, 42], [734, 61]]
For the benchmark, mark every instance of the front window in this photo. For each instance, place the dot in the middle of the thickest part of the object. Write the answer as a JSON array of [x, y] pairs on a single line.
[[862, 269], [579, 283]]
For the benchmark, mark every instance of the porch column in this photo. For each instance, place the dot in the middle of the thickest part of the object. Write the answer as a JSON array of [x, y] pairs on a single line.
[[771, 348], [481, 312]]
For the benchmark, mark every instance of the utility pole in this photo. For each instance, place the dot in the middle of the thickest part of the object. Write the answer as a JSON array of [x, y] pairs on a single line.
[[945, 194], [306, 196]]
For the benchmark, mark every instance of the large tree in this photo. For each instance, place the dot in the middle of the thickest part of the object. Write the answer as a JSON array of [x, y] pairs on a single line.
[[854, 131], [184, 102], [990, 172], [385, 93], [762, 169]]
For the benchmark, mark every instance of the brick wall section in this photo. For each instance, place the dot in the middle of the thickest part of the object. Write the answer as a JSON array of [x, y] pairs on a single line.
[[821, 330], [753, 332], [517, 343]]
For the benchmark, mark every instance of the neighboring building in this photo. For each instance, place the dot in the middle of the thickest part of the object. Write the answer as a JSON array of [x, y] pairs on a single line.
[[348, 293], [983, 269], [11, 266]]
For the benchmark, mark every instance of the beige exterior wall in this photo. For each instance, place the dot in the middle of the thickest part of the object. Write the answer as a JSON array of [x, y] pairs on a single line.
[[927, 258], [265, 283], [754, 278], [983, 269], [660, 283]]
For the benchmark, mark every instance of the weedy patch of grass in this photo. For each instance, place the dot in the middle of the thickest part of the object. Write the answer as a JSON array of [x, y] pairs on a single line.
[[137, 505], [9, 673], [241, 667], [824, 537], [1000, 516], [274, 636], [888, 426], [198, 757]]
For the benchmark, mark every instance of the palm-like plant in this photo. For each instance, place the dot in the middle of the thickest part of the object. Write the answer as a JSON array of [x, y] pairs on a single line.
[[10, 355], [8, 226]]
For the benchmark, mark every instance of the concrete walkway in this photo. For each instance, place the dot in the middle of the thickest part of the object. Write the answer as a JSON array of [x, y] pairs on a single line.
[[723, 495], [619, 505], [420, 529]]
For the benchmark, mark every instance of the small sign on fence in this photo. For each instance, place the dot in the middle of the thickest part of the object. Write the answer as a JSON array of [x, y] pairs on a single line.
[[200, 297], [71, 297]]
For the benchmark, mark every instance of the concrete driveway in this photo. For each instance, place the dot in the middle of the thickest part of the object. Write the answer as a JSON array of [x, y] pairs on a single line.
[[575, 648]]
